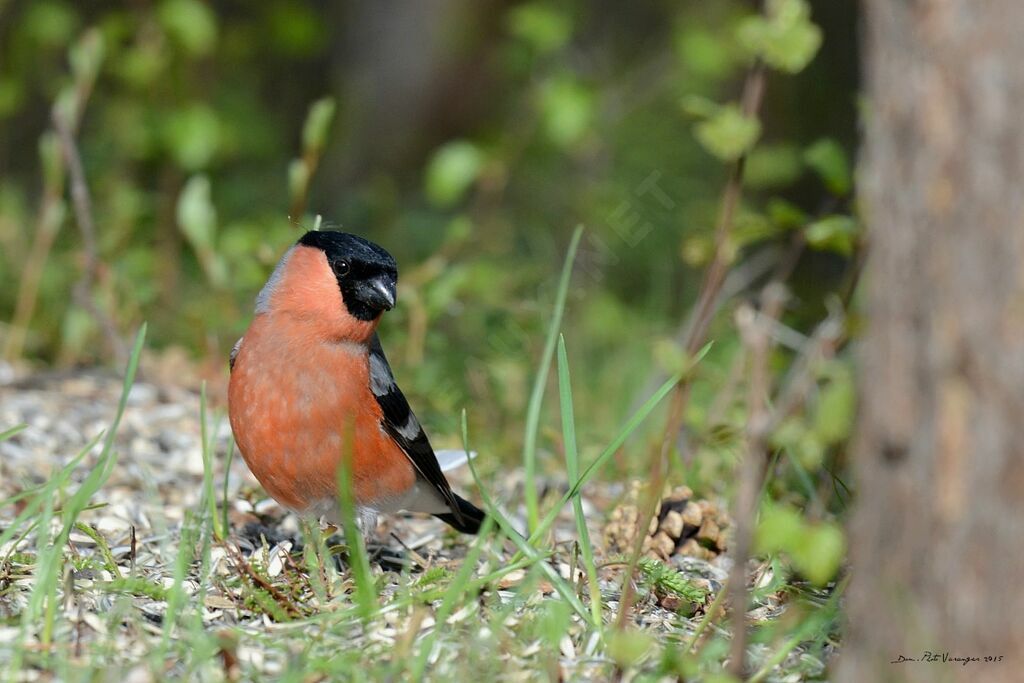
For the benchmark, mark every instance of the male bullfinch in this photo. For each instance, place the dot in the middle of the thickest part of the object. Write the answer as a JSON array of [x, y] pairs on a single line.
[[309, 382]]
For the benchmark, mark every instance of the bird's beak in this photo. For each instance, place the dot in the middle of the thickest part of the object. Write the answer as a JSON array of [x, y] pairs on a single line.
[[381, 292]]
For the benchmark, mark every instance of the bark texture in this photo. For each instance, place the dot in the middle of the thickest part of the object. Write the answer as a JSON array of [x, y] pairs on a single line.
[[938, 535]]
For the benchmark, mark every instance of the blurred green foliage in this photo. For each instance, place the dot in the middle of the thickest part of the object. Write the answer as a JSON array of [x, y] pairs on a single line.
[[469, 139]]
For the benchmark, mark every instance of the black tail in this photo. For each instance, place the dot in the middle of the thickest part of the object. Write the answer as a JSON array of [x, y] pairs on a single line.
[[472, 517]]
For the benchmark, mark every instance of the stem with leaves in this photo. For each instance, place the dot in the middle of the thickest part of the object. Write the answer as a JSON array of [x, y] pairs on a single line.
[[703, 312]]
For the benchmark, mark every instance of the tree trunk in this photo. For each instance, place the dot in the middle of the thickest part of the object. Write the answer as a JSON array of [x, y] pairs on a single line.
[[938, 534]]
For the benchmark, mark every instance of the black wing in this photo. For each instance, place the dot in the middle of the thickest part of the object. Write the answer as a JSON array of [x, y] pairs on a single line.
[[401, 425]]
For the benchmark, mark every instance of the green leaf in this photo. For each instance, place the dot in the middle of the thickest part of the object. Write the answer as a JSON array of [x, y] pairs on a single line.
[[728, 134], [628, 647], [810, 451], [297, 29], [697, 250], [828, 159], [190, 23], [705, 53], [785, 215], [298, 180], [141, 66], [835, 411], [771, 166], [699, 106], [543, 26], [780, 528], [197, 217], [832, 233], [815, 549], [785, 38], [750, 228], [452, 171], [819, 553], [567, 109], [318, 123], [197, 220], [192, 135]]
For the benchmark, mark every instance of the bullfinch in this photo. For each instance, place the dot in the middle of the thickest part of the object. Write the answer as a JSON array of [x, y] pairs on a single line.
[[310, 384]]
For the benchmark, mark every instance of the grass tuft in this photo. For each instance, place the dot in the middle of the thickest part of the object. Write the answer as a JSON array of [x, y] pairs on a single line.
[[572, 468], [43, 599], [539, 384]]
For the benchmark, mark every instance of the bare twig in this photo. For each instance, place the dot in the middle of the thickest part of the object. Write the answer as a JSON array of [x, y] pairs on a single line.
[[755, 332], [48, 221], [798, 383], [82, 202], [714, 277], [51, 209], [245, 571], [709, 617]]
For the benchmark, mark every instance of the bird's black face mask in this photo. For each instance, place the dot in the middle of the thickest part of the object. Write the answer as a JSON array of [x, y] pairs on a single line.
[[367, 274]]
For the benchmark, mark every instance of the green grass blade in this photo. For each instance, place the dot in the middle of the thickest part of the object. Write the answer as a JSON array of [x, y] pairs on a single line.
[[572, 468], [8, 433], [814, 625], [176, 596], [43, 493], [209, 501], [358, 561], [540, 382], [224, 523], [45, 588], [634, 422], [456, 590], [560, 584]]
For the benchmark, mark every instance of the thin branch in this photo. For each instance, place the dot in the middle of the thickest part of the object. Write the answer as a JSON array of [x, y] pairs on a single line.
[[755, 330], [714, 277], [711, 287], [48, 221], [821, 345], [245, 571], [82, 202]]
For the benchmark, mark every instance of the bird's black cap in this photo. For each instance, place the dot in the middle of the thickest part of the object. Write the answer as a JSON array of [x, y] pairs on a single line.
[[367, 274], [343, 245]]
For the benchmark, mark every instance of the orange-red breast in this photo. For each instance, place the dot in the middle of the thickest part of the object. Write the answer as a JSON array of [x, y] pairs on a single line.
[[309, 381]]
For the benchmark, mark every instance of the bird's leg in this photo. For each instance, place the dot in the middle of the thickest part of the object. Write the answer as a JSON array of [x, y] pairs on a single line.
[[379, 552], [388, 557]]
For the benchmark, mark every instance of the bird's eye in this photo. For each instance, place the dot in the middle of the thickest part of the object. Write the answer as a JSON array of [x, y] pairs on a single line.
[[341, 268]]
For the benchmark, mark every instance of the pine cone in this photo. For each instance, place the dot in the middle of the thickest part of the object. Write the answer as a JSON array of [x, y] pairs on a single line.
[[682, 526]]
